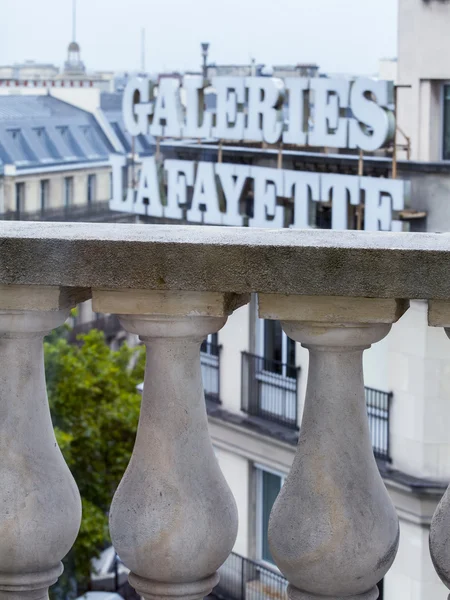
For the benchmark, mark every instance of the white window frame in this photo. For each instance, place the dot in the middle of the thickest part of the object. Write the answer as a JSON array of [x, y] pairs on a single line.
[[260, 469], [282, 377]]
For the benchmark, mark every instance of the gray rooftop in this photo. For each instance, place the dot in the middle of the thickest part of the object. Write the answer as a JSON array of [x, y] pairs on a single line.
[[111, 105], [37, 131]]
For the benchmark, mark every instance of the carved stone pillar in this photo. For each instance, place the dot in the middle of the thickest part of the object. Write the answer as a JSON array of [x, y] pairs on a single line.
[[333, 530], [40, 507], [173, 518], [439, 316]]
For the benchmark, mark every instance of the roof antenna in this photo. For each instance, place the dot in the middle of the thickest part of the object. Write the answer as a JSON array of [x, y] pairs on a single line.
[[143, 50], [74, 21]]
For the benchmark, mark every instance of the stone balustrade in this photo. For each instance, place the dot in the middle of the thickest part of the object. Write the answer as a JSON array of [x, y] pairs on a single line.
[[333, 530]]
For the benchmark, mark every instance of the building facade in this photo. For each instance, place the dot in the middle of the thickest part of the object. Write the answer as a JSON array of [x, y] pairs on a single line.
[[423, 77], [254, 375], [54, 161], [407, 376]]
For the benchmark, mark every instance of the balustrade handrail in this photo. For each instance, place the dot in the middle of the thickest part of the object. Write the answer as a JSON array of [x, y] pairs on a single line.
[[218, 259], [336, 293]]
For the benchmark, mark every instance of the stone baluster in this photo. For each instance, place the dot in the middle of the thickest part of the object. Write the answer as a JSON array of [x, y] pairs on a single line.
[[40, 507], [173, 519], [439, 316], [333, 530]]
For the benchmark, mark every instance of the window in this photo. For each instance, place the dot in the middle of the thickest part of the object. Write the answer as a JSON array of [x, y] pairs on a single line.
[[68, 191], [92, 138], [271, 385], [20, 197], [278, 350], [19, 148], [44, 193], [72, 146], [211, 345], [269, 484], [209, 360], [446, 124], [47, 150], [91, 189]]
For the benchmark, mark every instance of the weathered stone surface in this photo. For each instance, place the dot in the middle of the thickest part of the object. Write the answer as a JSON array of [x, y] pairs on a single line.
[[440, 525], [333, 531], [40, 507], [329, 309], [173, 519], [439, 313], [156, 302], [30, 297], [440, 539], [239, 260]]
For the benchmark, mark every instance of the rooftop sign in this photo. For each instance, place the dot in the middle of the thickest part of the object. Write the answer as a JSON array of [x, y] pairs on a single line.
[[318, 112]]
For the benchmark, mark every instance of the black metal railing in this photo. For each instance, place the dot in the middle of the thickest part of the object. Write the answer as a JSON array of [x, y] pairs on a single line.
[[210, 365], [378, 410], [269, 390], [72, 212], [245, 579], [109, 324]]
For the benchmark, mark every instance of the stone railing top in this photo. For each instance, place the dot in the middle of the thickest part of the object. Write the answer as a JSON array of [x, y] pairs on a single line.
[[223, 259]]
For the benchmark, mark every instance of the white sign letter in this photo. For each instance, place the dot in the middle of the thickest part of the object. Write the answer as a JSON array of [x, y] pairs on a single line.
[[369, 101], [119, 201], [303, 185], [297, 131], [232, 179], [265, 99], [230, 97], [136, 115], [206, 194], [330, 96], [198, 120], [344, 188], [382, 197], [268, 186], [180, 176], [167, 115], [149, 189]]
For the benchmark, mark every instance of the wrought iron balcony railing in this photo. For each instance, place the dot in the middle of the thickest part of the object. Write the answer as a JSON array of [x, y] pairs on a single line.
[[379, 412], [269, 390], [333, 531], [245, 579]]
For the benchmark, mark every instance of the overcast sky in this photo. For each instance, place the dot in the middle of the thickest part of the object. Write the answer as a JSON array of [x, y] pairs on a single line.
[[339, 35]]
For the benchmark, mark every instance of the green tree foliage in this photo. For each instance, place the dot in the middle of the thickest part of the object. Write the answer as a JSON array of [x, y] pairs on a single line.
[[95, 410]]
